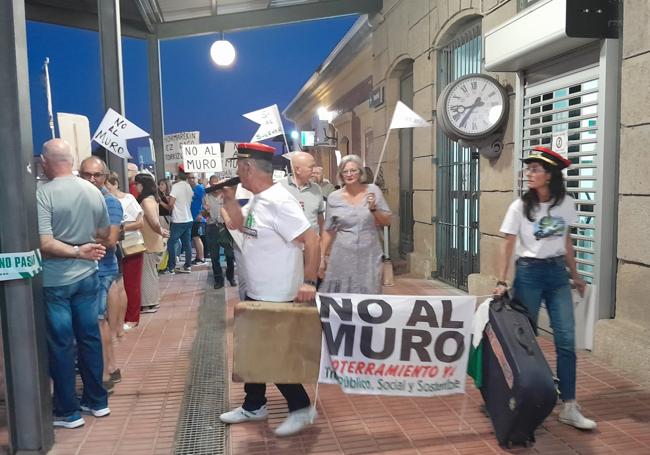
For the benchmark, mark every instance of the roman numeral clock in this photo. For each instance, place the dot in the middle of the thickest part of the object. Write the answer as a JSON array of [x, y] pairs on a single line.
[[473, 111]]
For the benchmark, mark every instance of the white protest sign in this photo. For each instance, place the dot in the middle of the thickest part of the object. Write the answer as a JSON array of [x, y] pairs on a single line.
[[269, 120], [114, 131], [403, 117], [75, 129], [202, 158], [395, 345], [173, 148], [278, 174], [229, 159], [17, 266]]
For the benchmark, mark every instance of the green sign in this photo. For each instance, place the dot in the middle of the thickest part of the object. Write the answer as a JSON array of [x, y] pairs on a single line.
[[19, 266]]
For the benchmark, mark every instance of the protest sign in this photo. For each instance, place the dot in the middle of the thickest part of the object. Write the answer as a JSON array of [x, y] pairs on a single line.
[[114, 131], [173, 148], [16, 266], [75, 129], [395, 345], [229, 159], [202, 158], [269, 120]]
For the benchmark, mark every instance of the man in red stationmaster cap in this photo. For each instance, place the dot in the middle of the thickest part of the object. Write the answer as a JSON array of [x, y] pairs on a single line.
[[280, 253]]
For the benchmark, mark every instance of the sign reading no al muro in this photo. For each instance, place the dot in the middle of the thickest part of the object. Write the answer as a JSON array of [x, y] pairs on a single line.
[[395, 345]]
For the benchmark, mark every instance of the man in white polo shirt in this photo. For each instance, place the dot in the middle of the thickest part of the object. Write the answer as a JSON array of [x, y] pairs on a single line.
[[280, 256], [180, 200]]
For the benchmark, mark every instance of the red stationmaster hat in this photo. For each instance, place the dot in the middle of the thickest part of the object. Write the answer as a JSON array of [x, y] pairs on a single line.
[[255, 151], [547, 156]]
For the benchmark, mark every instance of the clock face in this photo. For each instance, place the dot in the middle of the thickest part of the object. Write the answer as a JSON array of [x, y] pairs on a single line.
[[475, 105]]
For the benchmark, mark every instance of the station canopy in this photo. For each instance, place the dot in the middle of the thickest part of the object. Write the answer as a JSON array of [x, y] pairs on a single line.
[[181, 18]]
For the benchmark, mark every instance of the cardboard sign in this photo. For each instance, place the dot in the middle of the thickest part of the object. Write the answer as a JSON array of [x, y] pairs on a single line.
[[202, 158], [173, 148], [114, 131], [75, 129], [395, 345], [229, 159]]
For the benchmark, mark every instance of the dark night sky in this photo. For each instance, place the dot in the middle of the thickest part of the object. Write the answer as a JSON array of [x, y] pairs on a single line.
[[272, 65]]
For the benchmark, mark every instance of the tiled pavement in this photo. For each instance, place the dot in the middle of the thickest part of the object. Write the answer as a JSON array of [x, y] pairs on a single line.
[[155, 359]]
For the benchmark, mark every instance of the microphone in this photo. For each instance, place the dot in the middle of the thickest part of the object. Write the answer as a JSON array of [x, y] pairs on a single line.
[[234, 181]]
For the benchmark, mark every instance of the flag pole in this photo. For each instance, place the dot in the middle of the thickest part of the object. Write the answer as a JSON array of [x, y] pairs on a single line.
[[381, 156], [48, 94]]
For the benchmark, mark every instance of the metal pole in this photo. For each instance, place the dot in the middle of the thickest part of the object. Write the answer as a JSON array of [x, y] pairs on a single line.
[[155, 96], [48, 95], [29, 406], [110, 39]]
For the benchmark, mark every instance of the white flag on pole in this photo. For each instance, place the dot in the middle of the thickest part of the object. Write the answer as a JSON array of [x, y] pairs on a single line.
[[403, 117], [269, 120], [114, 131]]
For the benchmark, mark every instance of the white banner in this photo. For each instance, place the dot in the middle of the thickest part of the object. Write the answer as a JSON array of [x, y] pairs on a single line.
[[173, 148], [269, 120], [395, 345], [202, 158], [403, 117], [114, 131], [17, 266]]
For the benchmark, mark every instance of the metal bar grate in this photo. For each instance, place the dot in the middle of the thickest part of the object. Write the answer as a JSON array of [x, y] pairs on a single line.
[[199, 431], [570, 108], [457, 239]]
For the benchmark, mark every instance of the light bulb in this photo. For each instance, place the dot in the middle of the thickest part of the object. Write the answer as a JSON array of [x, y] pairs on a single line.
[[222, 53]]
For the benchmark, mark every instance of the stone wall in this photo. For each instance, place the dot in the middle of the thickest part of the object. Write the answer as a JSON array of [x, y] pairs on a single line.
[[624, 341]]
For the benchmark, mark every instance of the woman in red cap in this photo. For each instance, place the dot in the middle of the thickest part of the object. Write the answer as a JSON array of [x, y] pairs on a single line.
[[536, 229]]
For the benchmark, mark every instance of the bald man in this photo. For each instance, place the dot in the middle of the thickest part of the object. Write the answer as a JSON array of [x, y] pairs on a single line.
[[72, 223], [308, 193]]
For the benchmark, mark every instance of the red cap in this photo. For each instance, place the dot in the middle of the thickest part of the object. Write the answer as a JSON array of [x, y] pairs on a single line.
[[548, 156], [255, 150], [181, 167]]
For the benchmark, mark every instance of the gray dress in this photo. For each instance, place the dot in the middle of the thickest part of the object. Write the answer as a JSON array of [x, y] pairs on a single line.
[[355, 257]]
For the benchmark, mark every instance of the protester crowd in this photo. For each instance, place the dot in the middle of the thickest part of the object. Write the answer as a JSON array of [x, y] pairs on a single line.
[[104, 250]]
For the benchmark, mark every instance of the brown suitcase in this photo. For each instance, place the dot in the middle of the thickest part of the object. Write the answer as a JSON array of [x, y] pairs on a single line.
[[276, 343]]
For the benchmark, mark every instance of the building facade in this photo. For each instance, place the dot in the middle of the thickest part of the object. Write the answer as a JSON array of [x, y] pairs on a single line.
[[589, 93]]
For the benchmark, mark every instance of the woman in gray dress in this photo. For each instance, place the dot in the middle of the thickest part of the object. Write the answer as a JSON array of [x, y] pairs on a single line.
[[351, 261]]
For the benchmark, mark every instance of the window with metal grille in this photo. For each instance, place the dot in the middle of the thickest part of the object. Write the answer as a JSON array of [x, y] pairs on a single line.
[[457, 239], [569, 105]]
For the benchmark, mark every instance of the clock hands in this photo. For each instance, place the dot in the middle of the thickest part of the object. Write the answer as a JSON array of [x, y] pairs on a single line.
[[477, 103]]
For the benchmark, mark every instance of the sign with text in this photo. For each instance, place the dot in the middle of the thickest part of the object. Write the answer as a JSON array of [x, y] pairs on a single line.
[[395, 345], [114, 131], [202, 158], [173, 148], [561, 142], [229, 159], [18, 266], [269, 121]]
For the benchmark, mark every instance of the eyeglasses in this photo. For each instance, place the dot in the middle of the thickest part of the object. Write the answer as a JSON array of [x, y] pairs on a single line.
[[534, 170], [89, 175], [351, 171]]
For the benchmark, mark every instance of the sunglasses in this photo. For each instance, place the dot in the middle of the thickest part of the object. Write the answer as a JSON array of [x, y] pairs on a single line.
[[89, 175]]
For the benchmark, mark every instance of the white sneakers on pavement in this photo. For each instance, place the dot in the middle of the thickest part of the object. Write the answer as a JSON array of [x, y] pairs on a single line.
[[240, 415], [571, 415], [295, 422]]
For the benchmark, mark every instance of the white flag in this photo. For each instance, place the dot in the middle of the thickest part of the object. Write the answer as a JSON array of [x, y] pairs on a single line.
[[403, 117], [269, 120], [114, 131]]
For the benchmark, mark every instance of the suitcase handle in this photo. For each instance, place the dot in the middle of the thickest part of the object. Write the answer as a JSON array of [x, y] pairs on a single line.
[[519, 334]]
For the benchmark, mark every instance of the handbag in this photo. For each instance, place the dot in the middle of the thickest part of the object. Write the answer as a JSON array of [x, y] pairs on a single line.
[[132, 244]]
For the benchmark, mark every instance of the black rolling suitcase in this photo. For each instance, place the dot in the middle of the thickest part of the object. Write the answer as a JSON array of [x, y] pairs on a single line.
[[518, 386]]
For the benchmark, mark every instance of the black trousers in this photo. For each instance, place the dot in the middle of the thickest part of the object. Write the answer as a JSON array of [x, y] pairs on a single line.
[[295, 394], [218, 237]]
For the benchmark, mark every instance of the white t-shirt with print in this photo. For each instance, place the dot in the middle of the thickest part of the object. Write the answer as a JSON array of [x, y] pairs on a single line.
[[273, 263], [544, 237], [183, 193]]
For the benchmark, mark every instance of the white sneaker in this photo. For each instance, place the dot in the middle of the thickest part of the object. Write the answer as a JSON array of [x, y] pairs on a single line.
[[297, 421], [571, 415], [96, 412], [240, 415]]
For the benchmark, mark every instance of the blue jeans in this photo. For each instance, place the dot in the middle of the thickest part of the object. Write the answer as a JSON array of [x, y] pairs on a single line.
[[548, 280], [105, 282], [71, 314], [182, 231]]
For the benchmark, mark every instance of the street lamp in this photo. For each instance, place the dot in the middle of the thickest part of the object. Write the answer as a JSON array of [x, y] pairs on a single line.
[[222, 52]]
